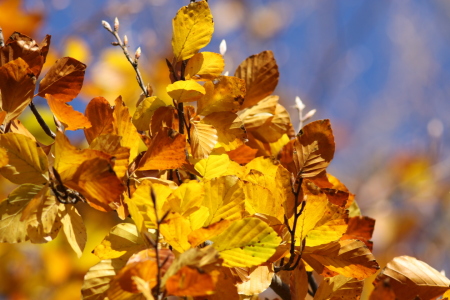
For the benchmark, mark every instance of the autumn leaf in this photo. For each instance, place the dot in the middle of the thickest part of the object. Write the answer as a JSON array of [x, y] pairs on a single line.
[[226, 93], [231, 132], [186, 199], [185, 90], [41, 226], [260, 280], [242, 154], [203, 139], [167, 151], [97, 279], [71, 118], [27, 163], [73, 228], [350, 258], [190, 282], [100, 114], [275, 127], [17, 83], [204, 66], [64, 79], [360, 228], [260, 200], [200, 235], [339, 287], [260, 73], [192, 30], [144, 112], [246, 243], [164, 116], [409, 278]]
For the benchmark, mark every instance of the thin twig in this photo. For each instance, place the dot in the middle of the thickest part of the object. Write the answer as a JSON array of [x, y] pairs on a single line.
[[133, 62], [41, 121]]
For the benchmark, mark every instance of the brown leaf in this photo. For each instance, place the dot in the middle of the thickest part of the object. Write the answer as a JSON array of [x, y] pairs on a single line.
[[360, 228], [350, 258], [167, 151], [100, 114], [17, 83], [260, 73], [20, 45], [339, 287], [275, 127], [313, 148], [243, 154], [230, 129], [409, 278], [191, 282], [165, 116], [203, 139], [225, 287], [298, 280], [64, 79], [72, 119]]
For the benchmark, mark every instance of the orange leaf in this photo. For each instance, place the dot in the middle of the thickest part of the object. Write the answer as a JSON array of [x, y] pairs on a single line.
[[203, 139], [17, 83], [260, 73], [360, 228], [71, 118], [63, 80], [230, 130], [167, 151], [165, 116], [100, 113], [243, 154], [190, 282], [202, 234]]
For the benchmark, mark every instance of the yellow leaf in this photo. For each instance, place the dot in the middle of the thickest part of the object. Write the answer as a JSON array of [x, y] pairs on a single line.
[[230, 129], [261, 200], [64, 79], [246, 243], [167, 151], [144, 112], [204, 66], [175, 230], [17, 84], [260, 280], [190, 282], [41, 226], [186, 199], [123, 240], [3, 157], [203, 139], [27, 163], [110, 144], [74, 228], [71, 118], [200, 235], [124, 127], [321, 221], [350, 258], [260, 73], [100, 114], [224, 197], [226, 93], [192, 29], [213, 166], [410, 278], [259, 114], [185, 90], [339, 287], [275, 127]]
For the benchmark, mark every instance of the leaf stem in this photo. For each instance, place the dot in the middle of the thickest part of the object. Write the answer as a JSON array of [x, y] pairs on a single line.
[[41, 121]]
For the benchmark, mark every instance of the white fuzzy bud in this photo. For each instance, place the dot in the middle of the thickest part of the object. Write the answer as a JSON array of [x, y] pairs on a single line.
[[125, 40], [309, 114], [106, 25], [116, 24], [299, 103], [137, 54], [223, 47]]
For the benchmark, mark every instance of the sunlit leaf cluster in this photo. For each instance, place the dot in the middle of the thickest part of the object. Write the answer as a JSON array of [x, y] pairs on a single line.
[[219, 197]]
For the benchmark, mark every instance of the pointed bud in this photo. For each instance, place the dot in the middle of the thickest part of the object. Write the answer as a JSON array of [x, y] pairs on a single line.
[[116, 24], [106, 25], [125, 40], [309, 114], [299, 104], [226, 73], [223, 47], [137, 54]]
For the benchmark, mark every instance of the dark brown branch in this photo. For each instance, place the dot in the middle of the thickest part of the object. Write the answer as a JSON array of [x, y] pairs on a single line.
[[41, 121], [312, 283], [281, 288]]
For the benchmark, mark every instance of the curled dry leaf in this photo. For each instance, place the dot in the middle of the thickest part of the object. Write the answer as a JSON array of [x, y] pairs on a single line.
[[204, 66], [225, 94], [64, 79], [17, 83], [260, 73], [409, 278], [193, 27], [71, 119]]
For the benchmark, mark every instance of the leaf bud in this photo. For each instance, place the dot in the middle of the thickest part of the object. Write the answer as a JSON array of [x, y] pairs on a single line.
[[137, 54], [299, 103], [106, 25], [116, 24], [125, 40], [309, 114], [223, 47]]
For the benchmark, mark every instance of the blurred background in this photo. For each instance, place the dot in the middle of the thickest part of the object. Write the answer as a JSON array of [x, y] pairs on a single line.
[[379, 70]]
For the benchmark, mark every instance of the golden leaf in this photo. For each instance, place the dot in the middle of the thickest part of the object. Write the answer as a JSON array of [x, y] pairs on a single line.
[[74, 229], [260, 73], [165, 116], [167, 151], [259, 114], [192, 29], [410, 278], [200, 235], [260, 279], [144, 112], [225, 94], [186, 199], [110, 144], [260, 200], [3, 157], [246, 243], [185, 90], [339, 287], [17, 84], [64, 79], [27, 163], [100, 114], [275, 127], [204, 66], [350, 258], [175, 230], [71, 118], [230, 130], [190, 282], [360, 228], [203, 139], [213, 166]]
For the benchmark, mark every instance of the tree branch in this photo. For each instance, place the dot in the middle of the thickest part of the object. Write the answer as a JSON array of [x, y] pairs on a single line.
[[281, 288], [41, 121]]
